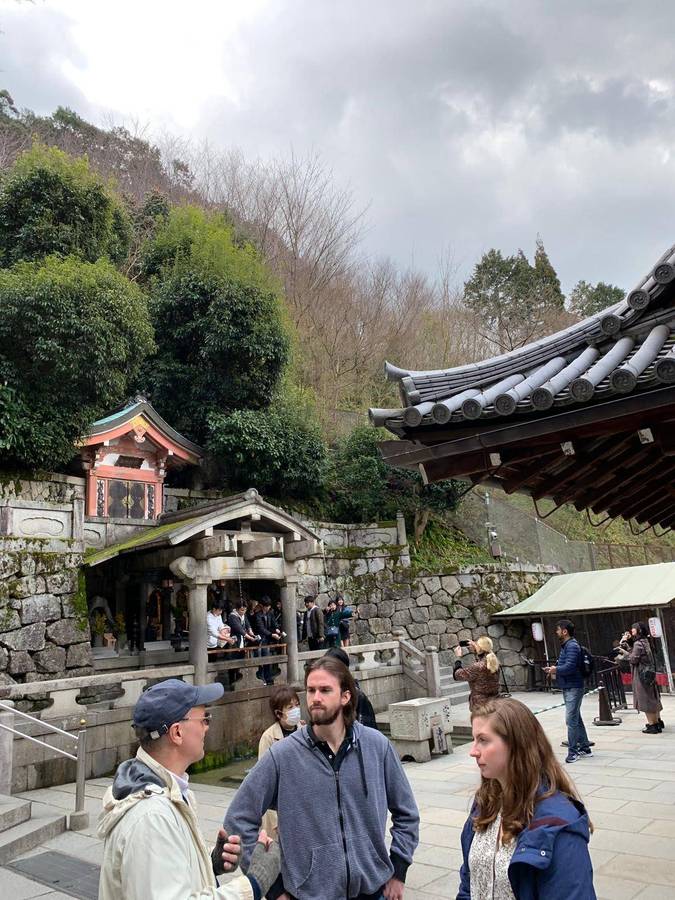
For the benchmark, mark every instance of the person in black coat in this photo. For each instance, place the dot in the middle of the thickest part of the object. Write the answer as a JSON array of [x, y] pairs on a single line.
[[265, 627], [240, 628], [365, 714]]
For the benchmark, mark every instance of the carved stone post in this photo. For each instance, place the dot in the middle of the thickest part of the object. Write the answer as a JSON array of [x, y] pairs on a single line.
[[6, 748], [195, 575], [288, 617], [432, 671], [199, 657]]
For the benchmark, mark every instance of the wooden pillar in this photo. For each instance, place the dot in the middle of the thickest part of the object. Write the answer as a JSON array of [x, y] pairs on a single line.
[[198, 645], [289, 620]]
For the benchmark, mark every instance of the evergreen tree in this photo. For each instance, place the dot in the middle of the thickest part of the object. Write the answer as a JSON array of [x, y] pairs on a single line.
[[511, 298], [546, 281], [587, 299]]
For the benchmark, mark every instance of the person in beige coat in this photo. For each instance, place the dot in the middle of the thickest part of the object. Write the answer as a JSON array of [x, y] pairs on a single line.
[[285, 706], [152, 845]]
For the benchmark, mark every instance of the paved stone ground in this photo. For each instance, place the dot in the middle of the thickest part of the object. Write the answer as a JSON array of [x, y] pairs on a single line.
[[628, 787]]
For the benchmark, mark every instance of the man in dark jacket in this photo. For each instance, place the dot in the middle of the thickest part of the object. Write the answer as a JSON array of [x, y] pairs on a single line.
[[569, 677], [332, 816], [241, 630], [312, 624], [365, 714], [265, 627]]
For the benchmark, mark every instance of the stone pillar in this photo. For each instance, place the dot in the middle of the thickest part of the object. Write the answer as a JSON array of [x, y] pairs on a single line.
[[6, 749], [199, 656], [288, 614], [432, 671]]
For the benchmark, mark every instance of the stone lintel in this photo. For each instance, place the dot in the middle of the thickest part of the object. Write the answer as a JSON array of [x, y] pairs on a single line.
[[294, 550], [259, 549]]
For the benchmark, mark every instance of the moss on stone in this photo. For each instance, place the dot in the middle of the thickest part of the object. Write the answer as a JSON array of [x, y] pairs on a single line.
[[224, 758]]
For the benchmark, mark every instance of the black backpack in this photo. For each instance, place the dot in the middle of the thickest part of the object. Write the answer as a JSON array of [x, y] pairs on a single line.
[[586, 662]]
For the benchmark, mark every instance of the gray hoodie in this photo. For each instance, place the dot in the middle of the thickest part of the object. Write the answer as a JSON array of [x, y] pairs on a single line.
[[331, 825]]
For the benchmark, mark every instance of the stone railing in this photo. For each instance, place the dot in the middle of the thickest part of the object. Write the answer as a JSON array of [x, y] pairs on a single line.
[[72, 697], [65, 693]]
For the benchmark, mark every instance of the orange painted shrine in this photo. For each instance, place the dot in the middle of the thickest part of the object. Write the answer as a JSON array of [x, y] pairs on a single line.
[[126, 456]]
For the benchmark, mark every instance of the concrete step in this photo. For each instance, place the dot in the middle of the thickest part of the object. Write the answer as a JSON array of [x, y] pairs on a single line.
[[44, 824], [13, 811]]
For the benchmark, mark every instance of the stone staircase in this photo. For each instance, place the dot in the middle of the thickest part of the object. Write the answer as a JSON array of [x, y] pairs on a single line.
[[457, 691], [458, 694], [25, 825]]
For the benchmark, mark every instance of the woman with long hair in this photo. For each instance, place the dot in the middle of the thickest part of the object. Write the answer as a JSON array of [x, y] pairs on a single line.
[[482, 675], [646, 697], [527, 835]]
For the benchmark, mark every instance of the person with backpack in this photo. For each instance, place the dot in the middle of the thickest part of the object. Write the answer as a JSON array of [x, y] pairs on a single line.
[[569, 673]]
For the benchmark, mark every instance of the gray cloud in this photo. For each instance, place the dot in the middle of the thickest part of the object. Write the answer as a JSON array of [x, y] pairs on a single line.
[[464, 125]]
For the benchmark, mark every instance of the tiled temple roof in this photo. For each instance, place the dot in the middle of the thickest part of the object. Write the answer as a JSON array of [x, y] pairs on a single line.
[[585, 416], [627, 347]]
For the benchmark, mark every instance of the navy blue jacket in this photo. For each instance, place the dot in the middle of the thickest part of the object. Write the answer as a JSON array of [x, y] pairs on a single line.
[[568, 672], [551, 860]]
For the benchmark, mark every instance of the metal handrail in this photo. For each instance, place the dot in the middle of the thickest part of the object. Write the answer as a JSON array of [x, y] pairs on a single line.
[[78, 819]]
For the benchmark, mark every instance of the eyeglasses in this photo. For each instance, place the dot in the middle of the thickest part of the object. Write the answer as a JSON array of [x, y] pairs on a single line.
[[205, 718]]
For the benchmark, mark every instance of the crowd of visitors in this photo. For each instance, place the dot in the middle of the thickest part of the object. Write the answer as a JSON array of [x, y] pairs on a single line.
[[526, 835]]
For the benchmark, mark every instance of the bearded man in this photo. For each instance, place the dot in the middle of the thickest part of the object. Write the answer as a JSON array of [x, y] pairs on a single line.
[[331, 783]]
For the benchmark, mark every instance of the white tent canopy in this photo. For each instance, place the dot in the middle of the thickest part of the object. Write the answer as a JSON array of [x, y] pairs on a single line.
[[604, 590]]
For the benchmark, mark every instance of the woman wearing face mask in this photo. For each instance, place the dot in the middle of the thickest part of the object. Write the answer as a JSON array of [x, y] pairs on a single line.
[[285, 706], [527, 835]]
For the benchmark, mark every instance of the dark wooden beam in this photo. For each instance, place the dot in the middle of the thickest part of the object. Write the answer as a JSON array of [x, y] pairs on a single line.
[[636, 468], [620, 414], [649, 494], [632, 487], [656, 507], [581, 465]]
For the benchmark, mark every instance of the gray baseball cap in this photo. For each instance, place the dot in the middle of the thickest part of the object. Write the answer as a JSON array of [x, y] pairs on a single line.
[[168, 702]]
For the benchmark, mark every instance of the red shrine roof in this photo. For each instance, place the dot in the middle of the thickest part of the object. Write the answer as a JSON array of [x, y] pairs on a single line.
[[141, 419]]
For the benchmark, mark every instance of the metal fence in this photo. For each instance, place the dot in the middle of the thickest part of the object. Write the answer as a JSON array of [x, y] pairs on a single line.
[[526, 538]]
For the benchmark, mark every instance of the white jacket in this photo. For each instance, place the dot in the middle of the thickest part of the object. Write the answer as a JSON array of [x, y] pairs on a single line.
[[153, 849]]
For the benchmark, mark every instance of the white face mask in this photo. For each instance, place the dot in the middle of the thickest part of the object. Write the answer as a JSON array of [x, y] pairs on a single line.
[[293, 716]]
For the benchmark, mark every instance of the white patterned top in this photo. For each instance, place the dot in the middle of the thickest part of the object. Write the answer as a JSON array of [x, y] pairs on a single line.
[[489, 864]]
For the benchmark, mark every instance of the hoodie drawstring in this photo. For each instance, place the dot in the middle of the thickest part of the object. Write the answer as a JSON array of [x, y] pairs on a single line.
[[361, 767]]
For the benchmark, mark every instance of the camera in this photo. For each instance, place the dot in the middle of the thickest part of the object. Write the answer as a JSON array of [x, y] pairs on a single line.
[[464, 643]]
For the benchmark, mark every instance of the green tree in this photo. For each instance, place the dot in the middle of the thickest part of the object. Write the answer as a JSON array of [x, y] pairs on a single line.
[[222, 343], [511, 298], [278, 450], [52, 203], [73, 336], [365, 489], [587, 299], [546, 281]]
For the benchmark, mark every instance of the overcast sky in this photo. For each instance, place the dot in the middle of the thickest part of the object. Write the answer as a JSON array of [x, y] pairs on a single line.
[[464, 125]]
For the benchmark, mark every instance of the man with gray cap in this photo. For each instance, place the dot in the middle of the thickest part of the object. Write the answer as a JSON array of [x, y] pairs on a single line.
[[153, 847]]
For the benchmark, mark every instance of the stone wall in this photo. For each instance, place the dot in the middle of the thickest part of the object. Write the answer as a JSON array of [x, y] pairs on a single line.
[[41, 636], [438, 610]]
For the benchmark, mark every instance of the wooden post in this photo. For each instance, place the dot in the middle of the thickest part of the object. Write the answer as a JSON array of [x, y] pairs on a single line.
[[289, 620]]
